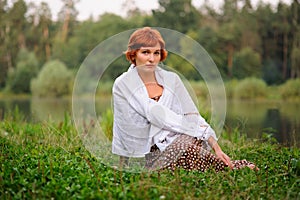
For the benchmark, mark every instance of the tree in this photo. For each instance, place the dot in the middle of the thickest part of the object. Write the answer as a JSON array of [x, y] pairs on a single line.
[[52, 81], [229, 31], [3, 42], [230, 9], [67, 15], [249, 28], [178, 15], [87, 36], [295, 55], [67, 20], [39, 33], [271, 72], [265, 17], [26, 69], [16, 23], [282, 28], [229, 35], [12, 37], [44, 23], [247, 63], [131, 9]]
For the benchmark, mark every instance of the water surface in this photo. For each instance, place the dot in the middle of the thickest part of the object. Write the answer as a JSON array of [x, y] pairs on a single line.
[[281, 119]]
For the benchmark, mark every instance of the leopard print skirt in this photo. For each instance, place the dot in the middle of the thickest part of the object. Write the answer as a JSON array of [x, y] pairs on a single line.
[[188, 153]]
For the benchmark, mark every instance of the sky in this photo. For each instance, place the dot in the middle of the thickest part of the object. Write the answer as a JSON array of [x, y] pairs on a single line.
[[95, 8]]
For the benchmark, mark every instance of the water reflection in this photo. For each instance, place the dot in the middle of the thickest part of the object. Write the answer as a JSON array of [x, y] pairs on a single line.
[[257, 118], [279, 125], [253, 118], [49, 109], [9, 105]]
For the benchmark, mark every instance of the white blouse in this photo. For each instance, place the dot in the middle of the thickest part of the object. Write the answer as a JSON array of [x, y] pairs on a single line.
[[140, 122]]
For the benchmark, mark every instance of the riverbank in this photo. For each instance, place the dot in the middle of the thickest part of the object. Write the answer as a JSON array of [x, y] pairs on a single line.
[[252, 117], [48, 160]]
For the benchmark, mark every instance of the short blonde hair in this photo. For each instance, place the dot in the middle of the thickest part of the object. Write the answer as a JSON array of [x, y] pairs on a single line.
[[144, 37]]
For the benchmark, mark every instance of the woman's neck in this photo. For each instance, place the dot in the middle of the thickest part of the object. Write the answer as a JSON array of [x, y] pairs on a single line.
[[147, 77]]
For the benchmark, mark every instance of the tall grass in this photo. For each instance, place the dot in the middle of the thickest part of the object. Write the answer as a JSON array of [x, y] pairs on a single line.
[[200, 89], [106, 123], [104, 88], [48, 161]]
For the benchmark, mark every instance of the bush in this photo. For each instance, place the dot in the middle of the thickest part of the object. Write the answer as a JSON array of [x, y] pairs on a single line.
[[230, 87], [26, 69], [52, 81], [290, 89], [250, 88]]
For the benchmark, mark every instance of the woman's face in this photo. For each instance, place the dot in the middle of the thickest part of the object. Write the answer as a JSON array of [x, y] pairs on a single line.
[[148, 57]]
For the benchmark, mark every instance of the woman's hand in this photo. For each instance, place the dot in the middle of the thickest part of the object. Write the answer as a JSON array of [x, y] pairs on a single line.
[[225, 158], [219, 153]]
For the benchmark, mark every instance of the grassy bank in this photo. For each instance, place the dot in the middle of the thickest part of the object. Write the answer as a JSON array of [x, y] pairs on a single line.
[[48, 161]]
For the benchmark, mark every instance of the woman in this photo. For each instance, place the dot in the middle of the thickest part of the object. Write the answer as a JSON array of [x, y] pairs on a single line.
[[155, 117]]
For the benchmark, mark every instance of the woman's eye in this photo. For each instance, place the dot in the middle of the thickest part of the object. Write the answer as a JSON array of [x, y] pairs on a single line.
[[148, 52]]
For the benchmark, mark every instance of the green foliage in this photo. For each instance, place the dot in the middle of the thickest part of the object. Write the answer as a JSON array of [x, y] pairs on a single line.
[[86, 37], [52, 81], [48, 160], [290, 89], [246, 63], [107, 123], [200, 89], [250, 88], [182, 66], [238, 37], [15, 115], [271, 73], [115, 69], [186, 15], [104, 88], [208, 38], [230, 88], [27, 68], [295, 57]]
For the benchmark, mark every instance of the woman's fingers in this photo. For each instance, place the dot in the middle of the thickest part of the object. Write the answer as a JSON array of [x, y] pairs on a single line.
[[225, 159], [228, 161]]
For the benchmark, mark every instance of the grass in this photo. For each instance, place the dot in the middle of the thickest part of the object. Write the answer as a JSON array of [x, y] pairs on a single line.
[[48, 161]]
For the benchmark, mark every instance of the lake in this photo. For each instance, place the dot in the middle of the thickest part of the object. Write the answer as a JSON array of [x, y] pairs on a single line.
[[279, 118]]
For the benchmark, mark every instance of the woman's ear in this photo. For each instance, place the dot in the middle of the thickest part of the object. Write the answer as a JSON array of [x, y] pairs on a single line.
[[132, 58]]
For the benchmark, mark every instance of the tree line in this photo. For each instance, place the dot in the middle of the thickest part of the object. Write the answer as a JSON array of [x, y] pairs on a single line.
[[243, 40]]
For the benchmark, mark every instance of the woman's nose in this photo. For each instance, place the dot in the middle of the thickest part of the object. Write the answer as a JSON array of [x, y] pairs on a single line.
[[151, 57]]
